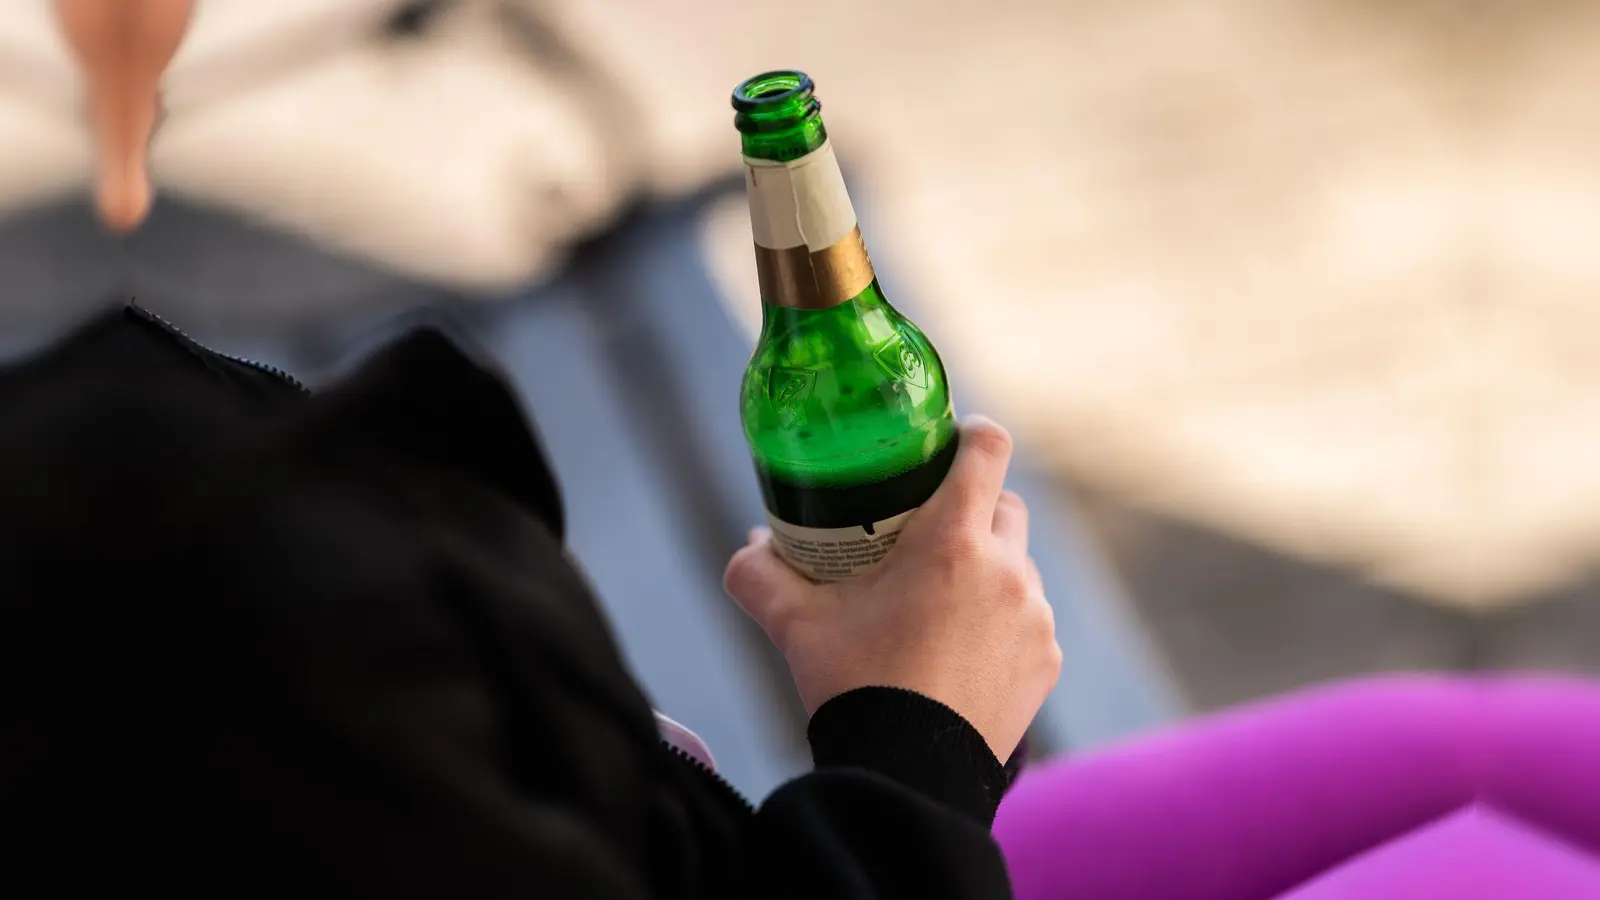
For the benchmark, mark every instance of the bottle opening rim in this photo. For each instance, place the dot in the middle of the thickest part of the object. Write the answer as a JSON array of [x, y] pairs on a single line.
[[771, 88]]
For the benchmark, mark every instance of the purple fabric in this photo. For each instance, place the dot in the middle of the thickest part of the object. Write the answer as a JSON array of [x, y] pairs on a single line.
[[1307, 792], [1478, 853]]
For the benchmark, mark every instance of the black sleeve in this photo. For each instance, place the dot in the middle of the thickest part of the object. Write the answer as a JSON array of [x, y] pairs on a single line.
[[914, 740], [899, 806]]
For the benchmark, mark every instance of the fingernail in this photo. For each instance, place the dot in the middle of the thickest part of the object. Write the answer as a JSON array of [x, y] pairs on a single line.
[[759, 534], [976, 420]]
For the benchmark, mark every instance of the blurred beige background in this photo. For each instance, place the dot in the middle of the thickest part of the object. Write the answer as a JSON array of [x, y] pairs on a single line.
[[1318, 275]]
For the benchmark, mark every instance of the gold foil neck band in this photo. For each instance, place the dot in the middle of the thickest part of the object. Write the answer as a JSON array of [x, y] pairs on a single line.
[[803, 278]]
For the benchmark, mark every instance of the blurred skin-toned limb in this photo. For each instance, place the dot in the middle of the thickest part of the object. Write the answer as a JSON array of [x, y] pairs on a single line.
[[122, 48]]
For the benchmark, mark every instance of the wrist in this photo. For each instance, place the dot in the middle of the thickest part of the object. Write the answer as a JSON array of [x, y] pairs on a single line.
[[913, 739]]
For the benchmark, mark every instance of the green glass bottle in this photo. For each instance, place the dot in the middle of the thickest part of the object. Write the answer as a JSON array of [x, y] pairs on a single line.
[[845, 402]]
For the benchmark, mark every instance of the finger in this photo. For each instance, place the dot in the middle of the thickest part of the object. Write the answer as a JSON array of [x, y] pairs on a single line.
[[972, 487], [1011, 522], [763, 584], [1035, 579]]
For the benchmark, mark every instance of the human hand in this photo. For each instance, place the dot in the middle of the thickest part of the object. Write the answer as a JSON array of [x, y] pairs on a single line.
[[956, 611]]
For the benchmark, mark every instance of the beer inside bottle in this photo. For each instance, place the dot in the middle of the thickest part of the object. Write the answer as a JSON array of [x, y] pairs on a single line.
[[845, 402]]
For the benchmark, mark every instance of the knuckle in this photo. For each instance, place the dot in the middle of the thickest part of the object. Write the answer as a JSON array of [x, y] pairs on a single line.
[[738, 578], [1013, 583], [780, 625], [1046, 619], [958, 545], [743, 578]]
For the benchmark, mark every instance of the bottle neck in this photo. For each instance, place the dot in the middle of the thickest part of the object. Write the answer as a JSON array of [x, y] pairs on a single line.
[[777, 319], [789, 144], [809, 252]]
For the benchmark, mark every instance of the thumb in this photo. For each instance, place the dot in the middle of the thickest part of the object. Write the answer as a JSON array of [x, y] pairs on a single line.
[[971, 489], [763, 585]]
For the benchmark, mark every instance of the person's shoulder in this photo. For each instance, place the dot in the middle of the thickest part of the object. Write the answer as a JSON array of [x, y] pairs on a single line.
[[124, 352], [432, 398]]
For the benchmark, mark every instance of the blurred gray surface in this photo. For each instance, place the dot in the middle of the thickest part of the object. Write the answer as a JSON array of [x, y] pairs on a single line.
[[57, 265], [1237, 621], [216, 274]]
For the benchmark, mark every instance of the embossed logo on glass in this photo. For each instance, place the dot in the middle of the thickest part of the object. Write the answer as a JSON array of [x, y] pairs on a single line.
[[788, 390], [899, 357]]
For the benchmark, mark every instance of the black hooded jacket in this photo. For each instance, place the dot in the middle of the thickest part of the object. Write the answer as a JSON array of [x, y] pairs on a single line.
[[259, 642]]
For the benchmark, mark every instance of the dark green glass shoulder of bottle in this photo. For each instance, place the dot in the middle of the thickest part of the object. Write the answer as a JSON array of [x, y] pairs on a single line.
[[848, 413]]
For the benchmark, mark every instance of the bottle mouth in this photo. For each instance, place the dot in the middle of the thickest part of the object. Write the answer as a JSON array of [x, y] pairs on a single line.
[[778, 115], [771, 90]]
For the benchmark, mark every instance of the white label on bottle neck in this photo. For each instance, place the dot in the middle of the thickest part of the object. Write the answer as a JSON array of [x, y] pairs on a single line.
[[835, 554], [802, 202]]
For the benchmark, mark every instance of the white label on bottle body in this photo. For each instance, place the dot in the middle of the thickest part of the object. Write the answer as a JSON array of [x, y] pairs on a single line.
[[800, 203], [835, 554]]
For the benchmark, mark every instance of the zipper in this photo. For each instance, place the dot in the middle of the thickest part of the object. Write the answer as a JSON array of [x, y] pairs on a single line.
[[203, 350], [709, 775]]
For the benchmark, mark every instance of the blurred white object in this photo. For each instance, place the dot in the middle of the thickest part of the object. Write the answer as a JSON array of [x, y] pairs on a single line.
[[44, 150], [453, 157]]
